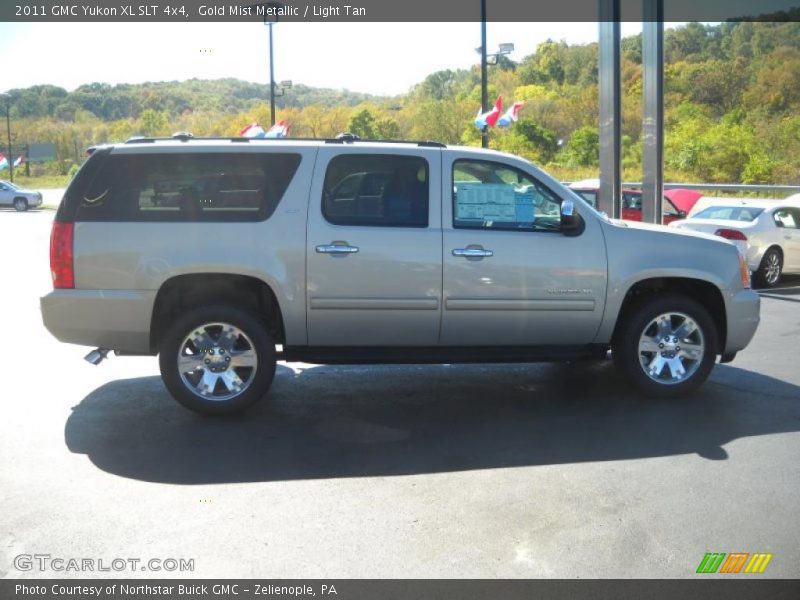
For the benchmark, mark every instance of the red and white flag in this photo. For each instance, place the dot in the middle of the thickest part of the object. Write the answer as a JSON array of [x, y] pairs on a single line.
[[254, 130], [489, 119], [279, 130], [511, 115]]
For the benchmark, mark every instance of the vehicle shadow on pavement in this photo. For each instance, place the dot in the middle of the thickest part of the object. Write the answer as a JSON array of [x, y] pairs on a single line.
[[333, 421]]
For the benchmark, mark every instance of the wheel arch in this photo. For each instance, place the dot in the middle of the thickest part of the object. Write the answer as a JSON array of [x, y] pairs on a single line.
[[188, 291], [704, 292], [777, 247]]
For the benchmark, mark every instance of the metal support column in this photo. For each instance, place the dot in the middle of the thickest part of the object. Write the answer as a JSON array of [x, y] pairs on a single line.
[[610, 107], [484, 76], [653, 121]]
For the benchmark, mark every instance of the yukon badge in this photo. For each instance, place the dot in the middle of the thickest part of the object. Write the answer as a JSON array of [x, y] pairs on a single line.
[[560, 291]]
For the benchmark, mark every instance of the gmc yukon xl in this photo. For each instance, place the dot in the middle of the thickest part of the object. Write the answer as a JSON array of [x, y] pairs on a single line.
[[222, 256]]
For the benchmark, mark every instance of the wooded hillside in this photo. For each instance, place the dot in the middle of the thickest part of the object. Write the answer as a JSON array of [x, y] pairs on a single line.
[[732, 107]]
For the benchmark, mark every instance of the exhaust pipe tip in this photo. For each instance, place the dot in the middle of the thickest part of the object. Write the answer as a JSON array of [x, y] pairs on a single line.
[[96, 356]]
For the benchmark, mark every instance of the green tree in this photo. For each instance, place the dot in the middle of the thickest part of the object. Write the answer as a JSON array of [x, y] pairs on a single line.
[[363, 125], [583, 148], [154, 123]]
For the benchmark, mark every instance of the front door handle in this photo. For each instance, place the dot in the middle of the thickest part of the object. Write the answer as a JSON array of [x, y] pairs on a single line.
[[336, 248], [472, 252]]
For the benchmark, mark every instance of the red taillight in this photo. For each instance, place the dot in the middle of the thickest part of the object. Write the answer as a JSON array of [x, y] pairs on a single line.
[[61, 255], [731, 234]]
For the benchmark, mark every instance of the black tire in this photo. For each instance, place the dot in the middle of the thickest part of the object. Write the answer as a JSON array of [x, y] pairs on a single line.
[[626, 352], [20, 204], [765, 276], [257, 380]]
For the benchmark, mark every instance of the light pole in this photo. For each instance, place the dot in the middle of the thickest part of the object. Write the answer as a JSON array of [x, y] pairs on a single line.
[[487, 59], [484, 77], [269, 21], [7, 98], [271, 76]]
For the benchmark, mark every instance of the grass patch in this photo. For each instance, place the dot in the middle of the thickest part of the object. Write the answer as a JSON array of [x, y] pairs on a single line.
[[42, 182]]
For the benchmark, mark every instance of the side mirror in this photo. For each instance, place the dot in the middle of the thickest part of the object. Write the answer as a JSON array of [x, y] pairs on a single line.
[[682, 214], [571, 221]]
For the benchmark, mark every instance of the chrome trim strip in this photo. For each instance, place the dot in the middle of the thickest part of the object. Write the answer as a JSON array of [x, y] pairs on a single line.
[[510, 304]]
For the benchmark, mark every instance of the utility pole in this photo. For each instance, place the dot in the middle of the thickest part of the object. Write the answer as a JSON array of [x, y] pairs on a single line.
[[271, 78], [484, 77], [8, 131]]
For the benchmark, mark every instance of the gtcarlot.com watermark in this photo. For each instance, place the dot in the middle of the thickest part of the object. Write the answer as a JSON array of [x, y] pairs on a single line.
[[61, 564]]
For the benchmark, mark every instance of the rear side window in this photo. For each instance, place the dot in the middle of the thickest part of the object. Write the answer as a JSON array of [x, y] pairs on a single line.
[[729, 213], [376, 190], [188, 187]]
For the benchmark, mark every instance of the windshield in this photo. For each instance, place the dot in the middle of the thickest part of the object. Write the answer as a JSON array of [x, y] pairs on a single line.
[[10, 185], [729, 213]]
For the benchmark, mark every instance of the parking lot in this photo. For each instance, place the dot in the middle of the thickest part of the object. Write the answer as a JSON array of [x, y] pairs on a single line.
[[464, 471]]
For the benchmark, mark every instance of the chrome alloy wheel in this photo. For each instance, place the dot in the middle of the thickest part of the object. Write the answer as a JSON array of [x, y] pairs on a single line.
[[773, 271], [217, 361], [671, 348]]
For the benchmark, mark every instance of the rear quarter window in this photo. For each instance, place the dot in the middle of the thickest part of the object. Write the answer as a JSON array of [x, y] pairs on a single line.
[[187, 187]]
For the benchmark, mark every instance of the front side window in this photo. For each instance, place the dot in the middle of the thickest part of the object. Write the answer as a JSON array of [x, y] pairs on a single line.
[[491, 195], [589, 195], [188, 187], [376, 190]]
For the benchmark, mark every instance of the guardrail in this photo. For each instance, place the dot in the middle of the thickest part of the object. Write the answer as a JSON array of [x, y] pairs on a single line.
[[726, 187]]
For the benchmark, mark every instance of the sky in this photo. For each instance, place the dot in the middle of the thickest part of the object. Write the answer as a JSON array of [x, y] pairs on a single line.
[[377, 58]]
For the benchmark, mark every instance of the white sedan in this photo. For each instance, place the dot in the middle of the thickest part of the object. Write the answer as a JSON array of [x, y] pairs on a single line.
[[767, 233]]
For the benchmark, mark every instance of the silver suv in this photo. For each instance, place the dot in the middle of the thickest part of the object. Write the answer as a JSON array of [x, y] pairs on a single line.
[[225, 255], [21, 200]]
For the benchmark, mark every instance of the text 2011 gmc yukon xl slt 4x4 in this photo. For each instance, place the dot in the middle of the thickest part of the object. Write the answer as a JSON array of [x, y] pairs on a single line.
[[225, 255]]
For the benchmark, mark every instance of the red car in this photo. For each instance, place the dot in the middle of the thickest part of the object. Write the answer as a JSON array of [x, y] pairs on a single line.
[[676, 203]]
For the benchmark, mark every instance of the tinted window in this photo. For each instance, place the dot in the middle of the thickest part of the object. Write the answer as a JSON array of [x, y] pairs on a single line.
[[376, 190], [187, 187], [490, 195], [729, 213]]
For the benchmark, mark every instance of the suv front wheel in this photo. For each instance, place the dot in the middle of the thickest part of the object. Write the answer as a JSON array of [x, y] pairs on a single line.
[[666, 346], [217, 360]]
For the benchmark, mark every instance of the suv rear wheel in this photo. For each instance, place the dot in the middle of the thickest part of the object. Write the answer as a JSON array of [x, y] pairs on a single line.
[[667, 346], [217, 360]]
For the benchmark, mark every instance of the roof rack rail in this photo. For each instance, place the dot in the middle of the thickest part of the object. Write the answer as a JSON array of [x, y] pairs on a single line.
[[348, 138]]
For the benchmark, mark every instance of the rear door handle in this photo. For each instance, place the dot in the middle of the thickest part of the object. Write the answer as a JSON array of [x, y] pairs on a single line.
[[472, 252], [336, 249]]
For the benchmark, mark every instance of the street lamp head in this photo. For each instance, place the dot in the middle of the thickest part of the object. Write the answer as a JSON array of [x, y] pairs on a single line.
[[286, 83], [506, 48]]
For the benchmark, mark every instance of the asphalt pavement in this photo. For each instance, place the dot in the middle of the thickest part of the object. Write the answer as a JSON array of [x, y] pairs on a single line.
[[470, 471]]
